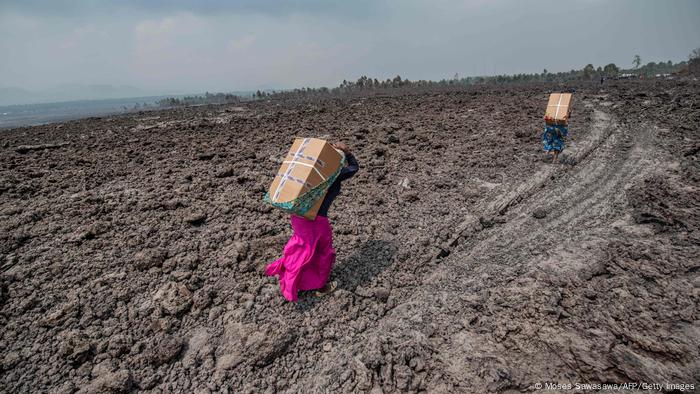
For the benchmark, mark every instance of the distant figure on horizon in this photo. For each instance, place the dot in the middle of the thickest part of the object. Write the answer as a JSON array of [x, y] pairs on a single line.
[[309, 256]]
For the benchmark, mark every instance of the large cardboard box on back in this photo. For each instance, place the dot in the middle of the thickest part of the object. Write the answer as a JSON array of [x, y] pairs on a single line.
[[558, 109], [304, 177]]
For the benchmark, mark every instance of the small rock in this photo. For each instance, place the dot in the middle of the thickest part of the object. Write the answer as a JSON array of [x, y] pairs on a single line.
[[410, 197], [27, 148], [379, 151], [521, 133], [215, 312], [11, 359], [363, 291], [233, 254], [164, 350], [202, 298], [539, 213], [172, 204], [254, 345], [147, 381], [402, 377], [174, 298], [180, 275], [119, 344], [65, 388], [103, 368], [226, 172], [164, 324], [417, 364], [83, 235], [567, 159], [196, 218], [4, 292], [81, 352], [149, 258], [241, 179], [205, 156], [115, 382], [382, 294]]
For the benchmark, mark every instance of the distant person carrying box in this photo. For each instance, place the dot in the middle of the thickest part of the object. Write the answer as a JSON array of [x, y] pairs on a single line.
[[556, 126], [309, 181]]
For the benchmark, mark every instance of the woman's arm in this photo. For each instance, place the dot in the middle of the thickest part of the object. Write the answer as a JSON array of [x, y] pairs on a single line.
[[351, 169]]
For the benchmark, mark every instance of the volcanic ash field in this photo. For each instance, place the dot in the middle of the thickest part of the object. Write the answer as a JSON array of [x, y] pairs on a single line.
[[132, 247]]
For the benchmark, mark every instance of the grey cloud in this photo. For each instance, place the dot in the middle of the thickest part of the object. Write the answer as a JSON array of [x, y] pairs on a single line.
[[328, 8]]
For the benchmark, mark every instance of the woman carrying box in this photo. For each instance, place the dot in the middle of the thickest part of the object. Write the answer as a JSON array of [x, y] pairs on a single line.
[[556, 122], [309, 255]]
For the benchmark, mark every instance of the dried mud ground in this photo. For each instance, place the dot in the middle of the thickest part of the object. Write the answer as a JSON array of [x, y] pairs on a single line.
[[132, 247]]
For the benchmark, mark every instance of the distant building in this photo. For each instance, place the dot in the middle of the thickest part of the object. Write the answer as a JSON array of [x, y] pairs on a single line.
[[629, 76]]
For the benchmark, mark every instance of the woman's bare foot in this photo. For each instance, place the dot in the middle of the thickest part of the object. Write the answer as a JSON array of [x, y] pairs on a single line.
[[327, 289]]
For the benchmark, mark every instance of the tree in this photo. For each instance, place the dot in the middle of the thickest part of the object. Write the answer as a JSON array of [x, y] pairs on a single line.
[[694, 62], [611, 69], [695, 54], [588, 71], [637, 61]]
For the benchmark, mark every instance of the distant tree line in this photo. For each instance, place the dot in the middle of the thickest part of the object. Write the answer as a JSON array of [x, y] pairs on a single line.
[[587, 73], [366, 84], [207, 98]]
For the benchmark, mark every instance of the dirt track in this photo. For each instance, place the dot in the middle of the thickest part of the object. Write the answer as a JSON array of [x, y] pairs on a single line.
[[132, 249]]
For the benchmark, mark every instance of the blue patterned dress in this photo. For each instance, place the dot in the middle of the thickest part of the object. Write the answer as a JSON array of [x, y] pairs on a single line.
[[553, 140]]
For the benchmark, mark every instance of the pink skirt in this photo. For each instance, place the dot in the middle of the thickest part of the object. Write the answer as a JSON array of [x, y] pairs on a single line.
[[308, 257]]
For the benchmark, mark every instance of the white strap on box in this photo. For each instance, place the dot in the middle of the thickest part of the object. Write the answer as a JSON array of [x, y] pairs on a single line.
[[307, 165], [558, 105], [306, 185], [283, 180]]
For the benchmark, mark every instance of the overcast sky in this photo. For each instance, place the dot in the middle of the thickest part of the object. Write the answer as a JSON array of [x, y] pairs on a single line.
[[217, 45]]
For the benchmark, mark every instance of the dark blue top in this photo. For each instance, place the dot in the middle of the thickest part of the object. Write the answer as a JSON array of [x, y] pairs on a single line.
[[345, 173]]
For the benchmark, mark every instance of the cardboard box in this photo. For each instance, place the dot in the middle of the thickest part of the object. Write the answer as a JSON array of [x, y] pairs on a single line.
[[558, 109], [304, 177]]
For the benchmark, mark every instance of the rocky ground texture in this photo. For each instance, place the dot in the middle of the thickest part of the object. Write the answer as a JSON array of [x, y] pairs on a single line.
[[132, 247]]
